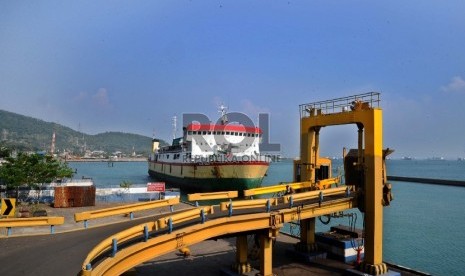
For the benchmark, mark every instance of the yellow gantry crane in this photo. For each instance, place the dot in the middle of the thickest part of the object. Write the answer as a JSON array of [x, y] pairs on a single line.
[[364, 167]]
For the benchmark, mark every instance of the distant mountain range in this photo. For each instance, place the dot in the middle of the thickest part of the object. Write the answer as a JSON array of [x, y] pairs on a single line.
[[30, 134]]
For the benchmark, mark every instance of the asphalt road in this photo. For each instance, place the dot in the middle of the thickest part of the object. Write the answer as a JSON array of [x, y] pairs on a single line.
[[57, 254]]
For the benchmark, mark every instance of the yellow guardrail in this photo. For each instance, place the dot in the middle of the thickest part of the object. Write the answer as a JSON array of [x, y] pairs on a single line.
[[31, 222], [126, 258], [111, 242], [124, 209], [212, 196], [277, 188], [286, 215], [314, 194], [251, 203], [199, 212]]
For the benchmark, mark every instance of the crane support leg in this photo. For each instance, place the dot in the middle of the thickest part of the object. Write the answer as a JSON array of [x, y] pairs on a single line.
[[373, 263], [307, 236], [242, 265], [266, 255]]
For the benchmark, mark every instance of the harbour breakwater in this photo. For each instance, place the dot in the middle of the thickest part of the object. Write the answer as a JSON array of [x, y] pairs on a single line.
[[137, 159], [446, 182]]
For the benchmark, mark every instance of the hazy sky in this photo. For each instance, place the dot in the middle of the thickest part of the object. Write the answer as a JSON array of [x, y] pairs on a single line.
[[130, 66]]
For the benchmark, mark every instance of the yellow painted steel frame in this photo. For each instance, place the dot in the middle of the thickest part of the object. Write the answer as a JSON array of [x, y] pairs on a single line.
[[251, 203], [31, 222], [212, 196], [142, 252], [125, 209], [315, 194], [276, 188], [371, 120], [184, 216]]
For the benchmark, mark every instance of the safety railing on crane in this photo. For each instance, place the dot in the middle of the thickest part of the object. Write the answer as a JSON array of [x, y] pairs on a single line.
[[372, 99]]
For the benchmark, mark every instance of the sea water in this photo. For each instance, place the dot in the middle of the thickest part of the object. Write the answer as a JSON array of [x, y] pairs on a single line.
[[423, 227]]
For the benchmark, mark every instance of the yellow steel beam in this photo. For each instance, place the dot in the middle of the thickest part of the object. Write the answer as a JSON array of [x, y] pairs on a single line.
[[125, 209], [314, 194], [316, 210], [266, 256], [212, 196], [31, 222], [242, 265], [276, 188], [184, 216], [374, 188], [251, 203]]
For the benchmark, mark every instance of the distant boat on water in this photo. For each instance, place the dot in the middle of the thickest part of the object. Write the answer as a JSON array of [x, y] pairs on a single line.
[[436, 158]]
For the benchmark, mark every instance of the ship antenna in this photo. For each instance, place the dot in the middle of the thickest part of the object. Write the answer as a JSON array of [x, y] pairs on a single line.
[[174, 126], [223, 111]]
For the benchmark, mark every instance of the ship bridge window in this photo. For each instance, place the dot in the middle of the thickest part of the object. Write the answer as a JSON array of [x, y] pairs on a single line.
[[209, 133], [222, 133], [204, 133], [227, 132], [189, 132]]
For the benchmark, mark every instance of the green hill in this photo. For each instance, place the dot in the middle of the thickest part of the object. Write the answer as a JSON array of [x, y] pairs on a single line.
[[29, 134]]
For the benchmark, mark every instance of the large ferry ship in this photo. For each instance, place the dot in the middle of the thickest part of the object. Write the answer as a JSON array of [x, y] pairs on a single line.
[[211, 157]]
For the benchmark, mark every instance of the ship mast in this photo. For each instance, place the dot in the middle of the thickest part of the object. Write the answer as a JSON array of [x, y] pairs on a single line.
[[223, 111], [175, 119]]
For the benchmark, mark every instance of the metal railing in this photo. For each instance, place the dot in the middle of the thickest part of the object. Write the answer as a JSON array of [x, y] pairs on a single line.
[[31, 222], [212, 196], [122, 257], [339, 104], [281, 188], [143, 230], [249, 203], [125, 209]]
